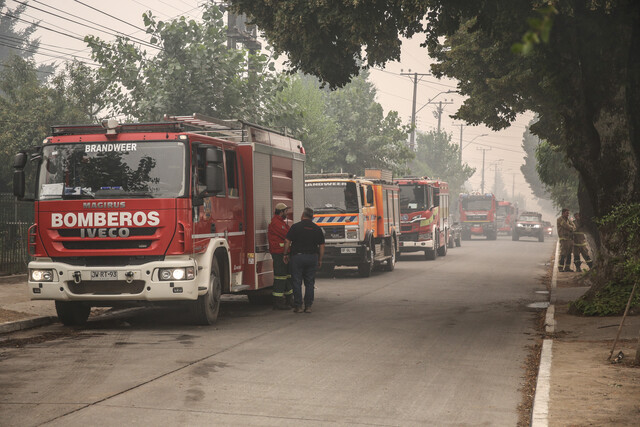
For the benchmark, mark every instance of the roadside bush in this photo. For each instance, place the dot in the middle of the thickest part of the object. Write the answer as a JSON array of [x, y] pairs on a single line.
[[620, 230]]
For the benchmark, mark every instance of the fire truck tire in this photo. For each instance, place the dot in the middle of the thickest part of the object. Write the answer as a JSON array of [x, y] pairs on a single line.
[[72, 313], [366, 267], [391, 262], [442, 250], [432, 253], [207, 306], [541, 237]]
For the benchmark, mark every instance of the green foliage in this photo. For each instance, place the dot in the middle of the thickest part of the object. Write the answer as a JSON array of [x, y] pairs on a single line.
[[192, 70], [559, 177], [540, 28], [609, 301], [28, 108], [16, 37], [437, 157], [342, 130], [622, 226]]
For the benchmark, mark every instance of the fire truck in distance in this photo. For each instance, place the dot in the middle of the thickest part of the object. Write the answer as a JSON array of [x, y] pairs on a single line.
[[424, 208], [478, 215], [507, 214], [161, 212], [360, 218]]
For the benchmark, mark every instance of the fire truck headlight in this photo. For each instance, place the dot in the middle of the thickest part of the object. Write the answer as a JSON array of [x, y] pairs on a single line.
[[184, 273], [41, 275], [536, 225]]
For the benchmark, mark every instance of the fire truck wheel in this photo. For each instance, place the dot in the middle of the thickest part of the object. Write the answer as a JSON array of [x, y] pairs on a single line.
[[207, 306], [432, 253], [72, 313], [442, 250], [391, 262], [541, 237], [366, 267]]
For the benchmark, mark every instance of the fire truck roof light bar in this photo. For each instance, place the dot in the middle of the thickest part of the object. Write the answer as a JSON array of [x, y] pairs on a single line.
[[120, 128], [329, 175]]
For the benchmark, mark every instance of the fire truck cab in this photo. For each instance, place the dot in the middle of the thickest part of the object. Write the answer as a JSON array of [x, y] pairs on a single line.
[[478, 215], [155, 212], [424, 208], [359, 216], [506, 214]]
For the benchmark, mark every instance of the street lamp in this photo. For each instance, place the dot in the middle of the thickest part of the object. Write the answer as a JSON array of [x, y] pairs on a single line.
[[431, 100]]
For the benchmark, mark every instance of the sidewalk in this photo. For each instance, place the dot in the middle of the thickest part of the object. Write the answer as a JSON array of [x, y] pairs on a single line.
[[17, 311], [577, 385]]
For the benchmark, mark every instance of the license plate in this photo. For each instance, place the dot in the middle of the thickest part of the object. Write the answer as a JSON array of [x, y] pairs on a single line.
[[348, 250], [104, 275]]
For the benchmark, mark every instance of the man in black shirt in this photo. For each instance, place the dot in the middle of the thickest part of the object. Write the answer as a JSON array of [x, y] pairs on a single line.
[[304, 244]]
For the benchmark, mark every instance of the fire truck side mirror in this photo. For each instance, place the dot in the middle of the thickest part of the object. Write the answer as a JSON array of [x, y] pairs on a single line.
[[214, 171], [19, 162]]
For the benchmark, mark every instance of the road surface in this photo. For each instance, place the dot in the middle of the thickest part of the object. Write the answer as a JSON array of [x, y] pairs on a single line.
[[432, 343]]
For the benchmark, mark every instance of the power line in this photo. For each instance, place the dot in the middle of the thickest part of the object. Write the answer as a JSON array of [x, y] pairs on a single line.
[[109, 15]]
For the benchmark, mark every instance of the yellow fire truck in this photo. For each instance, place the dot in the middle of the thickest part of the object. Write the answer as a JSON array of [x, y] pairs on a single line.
[[360, 217]]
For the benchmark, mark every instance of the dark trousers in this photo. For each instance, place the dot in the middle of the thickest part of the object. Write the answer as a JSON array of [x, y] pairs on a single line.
[[281, 277], [303, 268]]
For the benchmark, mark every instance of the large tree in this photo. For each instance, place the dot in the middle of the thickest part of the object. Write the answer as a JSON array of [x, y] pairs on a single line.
[[15, 38], [29, 107], [187, 69], [584, 82], [342, 130]]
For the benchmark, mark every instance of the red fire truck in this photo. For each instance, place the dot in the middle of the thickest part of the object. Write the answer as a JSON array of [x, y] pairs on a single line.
[[506, 217], [478, 215], [424, 219], [170, 211]]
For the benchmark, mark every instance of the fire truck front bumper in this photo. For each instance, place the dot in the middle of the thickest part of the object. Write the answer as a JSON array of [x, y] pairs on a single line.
[[344, 254], [415, 246], [168, 280]]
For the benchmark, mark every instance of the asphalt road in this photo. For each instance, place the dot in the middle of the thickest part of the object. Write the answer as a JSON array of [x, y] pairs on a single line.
[[432, 343]]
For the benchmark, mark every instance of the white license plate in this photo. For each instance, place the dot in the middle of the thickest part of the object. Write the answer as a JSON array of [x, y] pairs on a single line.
[[104, 275], [348, 250]]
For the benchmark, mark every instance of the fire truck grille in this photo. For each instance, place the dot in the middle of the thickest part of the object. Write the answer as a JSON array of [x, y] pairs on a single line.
[[106, 287], [409, 237], [143, 231], [476, 217], [107, 261], [406, 228], [107, 245], [334, 232]]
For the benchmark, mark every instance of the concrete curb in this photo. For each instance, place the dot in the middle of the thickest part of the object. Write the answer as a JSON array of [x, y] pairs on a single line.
[[32, 322], [540, 412]]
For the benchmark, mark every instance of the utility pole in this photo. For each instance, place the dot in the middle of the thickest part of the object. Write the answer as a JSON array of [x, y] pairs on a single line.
[[439, 111], [484, 150], [495, 175], [415, 78], [462, 125]]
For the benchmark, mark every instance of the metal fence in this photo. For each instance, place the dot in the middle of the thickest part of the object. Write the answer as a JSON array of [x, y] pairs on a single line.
[[15, 219]]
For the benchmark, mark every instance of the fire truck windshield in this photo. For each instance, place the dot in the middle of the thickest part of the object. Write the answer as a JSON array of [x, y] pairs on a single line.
[[476, 204], [412, 198], [340, 196], [141, 169]]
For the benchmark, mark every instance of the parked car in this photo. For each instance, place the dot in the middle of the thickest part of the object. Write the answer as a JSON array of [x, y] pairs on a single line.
[[548, 228], [529, 224]]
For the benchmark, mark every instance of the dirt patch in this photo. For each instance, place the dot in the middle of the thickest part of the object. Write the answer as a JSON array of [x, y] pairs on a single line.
[[588, 390], [12, 316]]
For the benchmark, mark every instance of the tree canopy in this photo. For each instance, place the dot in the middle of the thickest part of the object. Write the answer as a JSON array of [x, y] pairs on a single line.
[[191, 70]]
